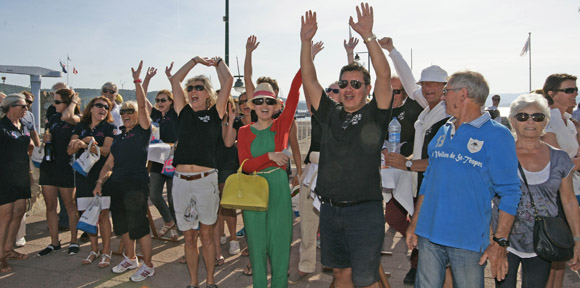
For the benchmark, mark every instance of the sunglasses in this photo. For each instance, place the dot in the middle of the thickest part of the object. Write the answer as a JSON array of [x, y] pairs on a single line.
[[242, 102], [397, 91], [162, 100], [445, 90], [110, 91], [569, 90], [355, 84], [23, 106], [333, 90], [196, 87], [56, 102], [29, 101], [101, 105], [260, 101], [126, 111], [537, 117]]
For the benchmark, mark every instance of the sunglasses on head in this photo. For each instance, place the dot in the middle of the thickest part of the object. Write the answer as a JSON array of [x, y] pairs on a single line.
[[355, 84], [56, 102], [110, 91], [101, 105], [536, 117], [162, 100], [126, 111], [569, 90], [196, 87], [397, 91], [242, 102], [260, 101], [333, 90]]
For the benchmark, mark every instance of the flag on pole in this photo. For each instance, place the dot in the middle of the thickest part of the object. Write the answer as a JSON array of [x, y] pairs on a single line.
[[75, 71], [63, 66], [526, 47], [68, 58]]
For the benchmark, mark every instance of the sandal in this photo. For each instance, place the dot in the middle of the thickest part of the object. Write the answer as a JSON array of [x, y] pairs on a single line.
[[14, 255], [105, 260], [4, 267], [248, 270], [182, 260], [166, 228], [245, 252], [220, 261], [173, 234], [92, 256]]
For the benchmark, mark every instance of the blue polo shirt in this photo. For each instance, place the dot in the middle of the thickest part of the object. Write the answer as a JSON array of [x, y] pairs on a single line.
[[467, 167]]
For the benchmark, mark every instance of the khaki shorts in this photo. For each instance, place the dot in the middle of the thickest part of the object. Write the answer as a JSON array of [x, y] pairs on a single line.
[[204, 191]]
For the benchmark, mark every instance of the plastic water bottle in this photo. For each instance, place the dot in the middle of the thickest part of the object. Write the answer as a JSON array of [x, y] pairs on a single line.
[[394, 135]]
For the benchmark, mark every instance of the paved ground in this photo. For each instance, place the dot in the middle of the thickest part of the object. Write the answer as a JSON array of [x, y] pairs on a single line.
[[60, 270]]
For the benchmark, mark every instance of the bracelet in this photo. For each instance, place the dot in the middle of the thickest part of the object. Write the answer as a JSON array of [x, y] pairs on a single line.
[[349, 53], [576, 238], [137, 81], [373, 37], [100, 181], [218, 62]]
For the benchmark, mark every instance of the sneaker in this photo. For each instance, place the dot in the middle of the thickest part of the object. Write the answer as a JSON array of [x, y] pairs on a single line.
[[223, 240], [142, 274], [410, 277], [126, 264], [234, 247], [73, 249], [20, 242], [49, 249], [241, 233]]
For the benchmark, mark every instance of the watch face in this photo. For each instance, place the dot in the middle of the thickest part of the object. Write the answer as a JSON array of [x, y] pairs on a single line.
[[409, 163]]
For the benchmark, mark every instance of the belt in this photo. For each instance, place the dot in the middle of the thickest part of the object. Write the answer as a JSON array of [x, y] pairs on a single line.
[[339, 203], [194, 177]]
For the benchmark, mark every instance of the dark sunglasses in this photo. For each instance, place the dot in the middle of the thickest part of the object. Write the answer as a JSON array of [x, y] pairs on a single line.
[[29, 101], [260, 101], [162, 100], [569, 90], [126, 111], [101, 105], [398, 91], [56, 102], [355, 84], [23, 106], [537, 117], [242, 102], [335, 91], [110, 91], [196, 87]]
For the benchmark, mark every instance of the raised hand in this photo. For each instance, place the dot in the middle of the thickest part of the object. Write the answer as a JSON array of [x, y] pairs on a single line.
[[137, 73], [349, 47], [309, 26], [387, 43], [317, 47], [168, 70], [215, 61], [203, 61], [151, 71], [252, 43], [364, 24]]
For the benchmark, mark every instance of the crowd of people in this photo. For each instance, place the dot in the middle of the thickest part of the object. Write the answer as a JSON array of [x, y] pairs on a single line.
[[477, 187]]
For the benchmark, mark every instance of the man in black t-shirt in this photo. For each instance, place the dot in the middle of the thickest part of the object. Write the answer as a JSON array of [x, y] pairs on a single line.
[[348, 184]]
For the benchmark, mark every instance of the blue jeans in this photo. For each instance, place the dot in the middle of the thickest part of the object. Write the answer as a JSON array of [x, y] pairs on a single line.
[[433, 260], [156, 195]]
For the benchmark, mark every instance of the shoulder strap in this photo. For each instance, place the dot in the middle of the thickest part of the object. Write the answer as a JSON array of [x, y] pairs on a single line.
[[528, 187]]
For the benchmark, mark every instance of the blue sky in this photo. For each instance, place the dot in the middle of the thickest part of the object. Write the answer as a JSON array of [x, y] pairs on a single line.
[[105, 38]]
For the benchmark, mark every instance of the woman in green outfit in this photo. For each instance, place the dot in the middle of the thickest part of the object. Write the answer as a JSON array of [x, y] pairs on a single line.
[[261, 143]]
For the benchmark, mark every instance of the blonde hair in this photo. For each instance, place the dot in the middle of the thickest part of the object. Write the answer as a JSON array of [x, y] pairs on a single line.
[[211, 100]]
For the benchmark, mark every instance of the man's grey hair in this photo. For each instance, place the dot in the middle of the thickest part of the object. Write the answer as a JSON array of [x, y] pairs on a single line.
[[477, 88]]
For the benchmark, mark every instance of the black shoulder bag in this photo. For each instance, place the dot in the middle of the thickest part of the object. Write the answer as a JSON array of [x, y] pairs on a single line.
[[553, 240]]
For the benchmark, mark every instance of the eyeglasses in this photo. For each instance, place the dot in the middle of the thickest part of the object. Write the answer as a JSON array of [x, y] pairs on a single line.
[[242, 102], [333, 90], [101, 105], [162, 100], [494, 99], [29, 101], [126, 111], [355, 84], [569, 90], [110, 91], [196, 87], [398, 91], [260, 101], [346, 121], [537, 117], [445, 90], [56, 102], [23, 106]]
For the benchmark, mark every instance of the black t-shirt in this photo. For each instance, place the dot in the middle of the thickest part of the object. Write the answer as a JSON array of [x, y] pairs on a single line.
[[227, 157], [198, 137], [350, 157], [99, 132], [130, 152], [429, 134], [14, 161], [167, 124], [315, 136], [61, 131], [50, 111], [407, 114]]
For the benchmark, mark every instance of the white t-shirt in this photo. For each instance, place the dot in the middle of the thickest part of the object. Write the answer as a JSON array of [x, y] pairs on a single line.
[[566, 136], [117, 117]]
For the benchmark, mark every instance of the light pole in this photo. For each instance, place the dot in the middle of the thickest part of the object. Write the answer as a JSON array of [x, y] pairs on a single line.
[[4, 83], [227, 22]]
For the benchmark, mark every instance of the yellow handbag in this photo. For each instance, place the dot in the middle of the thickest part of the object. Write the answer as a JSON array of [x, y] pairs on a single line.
[[246, 192]]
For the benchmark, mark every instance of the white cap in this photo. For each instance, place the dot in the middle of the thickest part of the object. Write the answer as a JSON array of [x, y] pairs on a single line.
[[433, 73]]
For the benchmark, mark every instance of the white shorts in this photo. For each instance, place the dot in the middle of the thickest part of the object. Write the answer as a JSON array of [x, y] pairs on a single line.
[[204, 191]]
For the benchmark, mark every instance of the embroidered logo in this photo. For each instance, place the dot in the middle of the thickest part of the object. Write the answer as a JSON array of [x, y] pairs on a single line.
[[474, 145], [440, 141], [205, 119], [401, 116], [355, 119]]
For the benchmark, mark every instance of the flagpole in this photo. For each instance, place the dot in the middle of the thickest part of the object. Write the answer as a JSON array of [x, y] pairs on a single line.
[[67, 69], [530, 57]]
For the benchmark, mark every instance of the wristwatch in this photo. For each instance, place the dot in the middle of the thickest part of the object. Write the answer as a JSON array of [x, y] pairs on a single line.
[[501, 241], [409, 163]]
